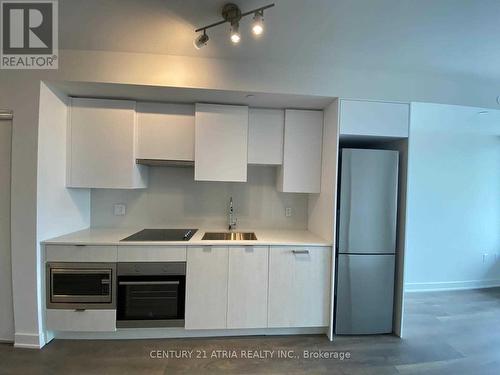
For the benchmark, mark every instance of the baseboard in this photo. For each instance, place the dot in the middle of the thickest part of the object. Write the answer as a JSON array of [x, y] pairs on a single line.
[[156, 333], [451, 285], [27, 341]]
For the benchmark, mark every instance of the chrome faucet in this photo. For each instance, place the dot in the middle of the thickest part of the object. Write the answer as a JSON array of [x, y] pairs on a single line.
[[231, 219]]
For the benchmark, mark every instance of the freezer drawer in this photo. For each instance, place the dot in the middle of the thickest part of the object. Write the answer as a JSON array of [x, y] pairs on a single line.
[[365, 292]]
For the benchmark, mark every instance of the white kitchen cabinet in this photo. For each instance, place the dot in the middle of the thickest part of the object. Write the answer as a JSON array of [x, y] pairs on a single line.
[[299, 286], [101, 145], [303, 142], [206, 287], [221, 139], [165, 131], [265, 136], [80, 253], [379, 119], [80, 320], [247, 287]]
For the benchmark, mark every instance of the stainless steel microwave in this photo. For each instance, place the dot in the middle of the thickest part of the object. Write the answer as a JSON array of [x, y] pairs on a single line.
[[81, 285]]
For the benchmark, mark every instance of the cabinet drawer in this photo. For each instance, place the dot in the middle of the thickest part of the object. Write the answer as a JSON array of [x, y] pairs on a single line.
[[151, 253], [80, 253], [81, 321]]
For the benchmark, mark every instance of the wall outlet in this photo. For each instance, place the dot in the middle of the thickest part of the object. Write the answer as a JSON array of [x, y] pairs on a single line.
[[288, 211], [119, 209]]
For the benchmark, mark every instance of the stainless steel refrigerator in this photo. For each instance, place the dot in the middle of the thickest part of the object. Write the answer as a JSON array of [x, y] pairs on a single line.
[[366, 241]]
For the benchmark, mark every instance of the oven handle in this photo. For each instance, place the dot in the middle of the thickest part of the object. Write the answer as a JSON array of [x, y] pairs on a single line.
[[148, 283]]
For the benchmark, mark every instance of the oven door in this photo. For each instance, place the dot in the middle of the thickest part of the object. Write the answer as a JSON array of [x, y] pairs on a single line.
[[151, 301], [80, 285]]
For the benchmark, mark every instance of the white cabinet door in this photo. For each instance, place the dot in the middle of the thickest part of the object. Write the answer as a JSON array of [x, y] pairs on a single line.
[[166, 131], [299, 286], [206, 287], [374, 118], [303, 142], [247, 287], [221, 139], [265, 136], [101, 145]]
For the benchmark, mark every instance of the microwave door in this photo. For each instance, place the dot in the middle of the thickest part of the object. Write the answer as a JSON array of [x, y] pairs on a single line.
[[79, 284]]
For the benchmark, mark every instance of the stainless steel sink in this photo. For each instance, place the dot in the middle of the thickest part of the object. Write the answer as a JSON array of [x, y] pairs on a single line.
[[229, 236]]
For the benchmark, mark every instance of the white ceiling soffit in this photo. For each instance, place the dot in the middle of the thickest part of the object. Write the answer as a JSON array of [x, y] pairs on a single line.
[[436, 36], [189, 95]]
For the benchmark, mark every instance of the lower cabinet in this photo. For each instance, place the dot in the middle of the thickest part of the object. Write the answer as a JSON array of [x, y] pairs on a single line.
[[81, 321], [299, 287], [206, 287], [247, 287]]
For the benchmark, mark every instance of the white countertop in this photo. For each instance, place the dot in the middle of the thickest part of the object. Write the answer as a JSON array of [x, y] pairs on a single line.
[[113, 236]]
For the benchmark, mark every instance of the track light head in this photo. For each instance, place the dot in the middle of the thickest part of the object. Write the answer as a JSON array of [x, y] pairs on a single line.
[[235, 32], [201, 41], [258, 23]]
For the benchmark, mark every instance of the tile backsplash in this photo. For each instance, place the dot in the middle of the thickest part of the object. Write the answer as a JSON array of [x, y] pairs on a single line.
[[173, 198]]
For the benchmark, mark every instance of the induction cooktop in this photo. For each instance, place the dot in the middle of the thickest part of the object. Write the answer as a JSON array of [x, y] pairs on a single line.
[[162, 235]]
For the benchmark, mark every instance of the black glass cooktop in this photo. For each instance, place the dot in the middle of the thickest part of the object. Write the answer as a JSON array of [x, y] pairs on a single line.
[[162, 235]]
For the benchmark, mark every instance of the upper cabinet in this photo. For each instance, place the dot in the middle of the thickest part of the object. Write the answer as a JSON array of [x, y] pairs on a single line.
[[165, 132], [221, 139], [101, 145], [301, 169], [379, 119], [265, 136]]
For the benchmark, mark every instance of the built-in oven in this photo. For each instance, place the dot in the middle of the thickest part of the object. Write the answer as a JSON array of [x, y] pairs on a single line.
[[81, 285], [151, 294]]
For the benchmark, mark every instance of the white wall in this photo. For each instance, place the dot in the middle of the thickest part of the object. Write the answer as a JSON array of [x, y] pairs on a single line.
[[6, 308], [59, 210], [173, 198], [453, 198]]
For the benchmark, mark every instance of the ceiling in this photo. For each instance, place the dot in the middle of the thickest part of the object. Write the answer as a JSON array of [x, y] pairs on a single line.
[[436, 36]]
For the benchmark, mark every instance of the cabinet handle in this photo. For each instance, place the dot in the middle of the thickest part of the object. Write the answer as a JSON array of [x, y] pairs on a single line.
[[296, 252]]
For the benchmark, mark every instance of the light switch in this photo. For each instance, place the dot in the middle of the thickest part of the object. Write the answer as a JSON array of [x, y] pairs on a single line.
[[119, 209]]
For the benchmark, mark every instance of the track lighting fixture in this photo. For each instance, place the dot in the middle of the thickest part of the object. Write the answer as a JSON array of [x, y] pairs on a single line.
[[201, 40], [232, 14]]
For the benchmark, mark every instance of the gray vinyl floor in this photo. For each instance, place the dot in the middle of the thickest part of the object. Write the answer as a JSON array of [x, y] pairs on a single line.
[[446, 333]]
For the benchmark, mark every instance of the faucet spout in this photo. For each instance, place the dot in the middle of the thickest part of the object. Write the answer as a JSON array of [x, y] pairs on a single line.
[[231, 218]]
